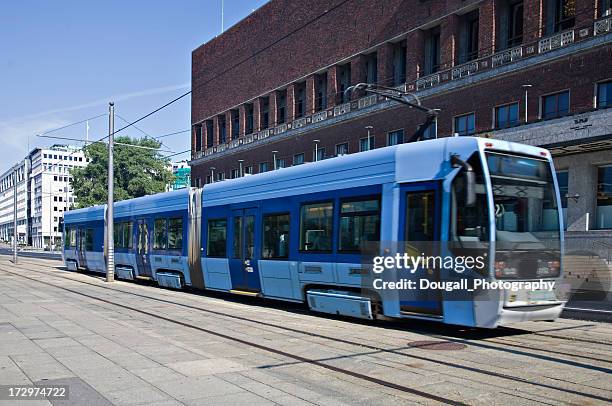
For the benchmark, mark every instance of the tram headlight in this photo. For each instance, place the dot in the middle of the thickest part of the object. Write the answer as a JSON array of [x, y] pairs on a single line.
[[502, 270]]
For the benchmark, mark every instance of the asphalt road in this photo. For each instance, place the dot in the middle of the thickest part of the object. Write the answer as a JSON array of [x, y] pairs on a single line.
[[32, 254]]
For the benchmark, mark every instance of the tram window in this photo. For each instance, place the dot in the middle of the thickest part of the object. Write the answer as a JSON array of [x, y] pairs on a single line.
[[175, 234], [420, 216], [127, 235], [276, 236], [67, 235], [237, 247], [469, 224], [159, 234], [118, 235], [89, 235], [316, 227], [217, 237], [359, 224]]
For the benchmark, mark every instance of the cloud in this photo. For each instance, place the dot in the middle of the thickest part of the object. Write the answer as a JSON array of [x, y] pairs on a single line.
[[99, 102]]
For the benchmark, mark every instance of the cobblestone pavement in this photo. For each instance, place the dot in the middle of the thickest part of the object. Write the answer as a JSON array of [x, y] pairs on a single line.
[[128, 344]]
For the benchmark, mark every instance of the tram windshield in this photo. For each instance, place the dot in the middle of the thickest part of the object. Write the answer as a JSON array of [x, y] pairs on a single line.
[[524, 202]]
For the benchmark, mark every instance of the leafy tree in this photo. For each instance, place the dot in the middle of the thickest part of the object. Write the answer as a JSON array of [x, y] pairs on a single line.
[[138, 172]]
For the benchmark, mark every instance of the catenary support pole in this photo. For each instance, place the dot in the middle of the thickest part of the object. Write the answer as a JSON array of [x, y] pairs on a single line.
[[15, 215], [110, 249]]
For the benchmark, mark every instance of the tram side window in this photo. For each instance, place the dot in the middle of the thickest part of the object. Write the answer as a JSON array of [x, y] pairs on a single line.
[[123, 234], [469, 224], [159, 234], [127, 234], [276, 236], [89, 237], [316, 227], [217, 238], [118, 235], [67, 237], [175, 234], [359, 224], [420, 216]]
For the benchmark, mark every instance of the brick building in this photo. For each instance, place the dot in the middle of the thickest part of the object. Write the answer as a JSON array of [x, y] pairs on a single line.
[[269, 92]]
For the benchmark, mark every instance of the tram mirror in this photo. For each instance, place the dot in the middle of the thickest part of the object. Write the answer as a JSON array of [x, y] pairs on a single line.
[[470, 179]]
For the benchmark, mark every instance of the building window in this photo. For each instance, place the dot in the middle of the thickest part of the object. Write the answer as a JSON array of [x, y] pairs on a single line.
[[217, 238], [220, 176], [248, 109], [399, 63], [321, 99], [555, 105], [235, 123], [265, 112], [198, 182], [432, 51], [506, 116], [604, 95], [359, 224], [263, 167], [395, 137], [281, 106], [366, 144], [235, 173], [469, 46], [248, 169], [318, 154], [298, 159], [344, 77], [371, 68], [280, 163], [275, 236], [604, 197], [562, 181], [342, 149], [560, 15], [222, 129], [509, 23], [300, 99], [210, 134], [466, 124], [316, 227], [198, 137]]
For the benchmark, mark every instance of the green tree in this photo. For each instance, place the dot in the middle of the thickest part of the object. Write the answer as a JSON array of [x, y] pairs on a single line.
[[138, 172]]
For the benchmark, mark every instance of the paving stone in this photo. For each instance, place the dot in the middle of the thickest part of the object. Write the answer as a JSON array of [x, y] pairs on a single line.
[[207, 367]]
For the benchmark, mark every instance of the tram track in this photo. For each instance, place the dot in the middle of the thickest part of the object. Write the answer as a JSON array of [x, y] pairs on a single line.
[[345, 341], [252, 344]]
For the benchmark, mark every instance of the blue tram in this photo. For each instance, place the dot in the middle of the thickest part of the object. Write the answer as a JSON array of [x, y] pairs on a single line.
[[297, 234]]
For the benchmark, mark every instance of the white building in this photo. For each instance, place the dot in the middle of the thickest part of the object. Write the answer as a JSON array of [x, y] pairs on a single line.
[[50, 194], [7, 203], [43, 195]]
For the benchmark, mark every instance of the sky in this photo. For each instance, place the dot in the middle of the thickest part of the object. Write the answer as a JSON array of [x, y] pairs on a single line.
[[62, 61]]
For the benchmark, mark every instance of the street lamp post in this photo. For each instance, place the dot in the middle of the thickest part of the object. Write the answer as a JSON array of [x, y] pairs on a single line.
[[212, 174], [241, 170], [274, 165], [316, 157], [15, 215]]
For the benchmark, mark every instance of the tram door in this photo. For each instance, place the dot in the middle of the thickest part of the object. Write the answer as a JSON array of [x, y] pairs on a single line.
[[81, 245], [420, 231], [244, 251], [142, 249]]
